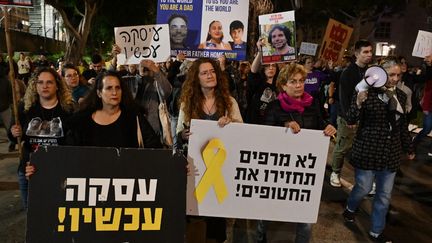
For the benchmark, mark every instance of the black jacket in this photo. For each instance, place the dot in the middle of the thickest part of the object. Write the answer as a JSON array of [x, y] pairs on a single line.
[[349, 78], [310, 119]]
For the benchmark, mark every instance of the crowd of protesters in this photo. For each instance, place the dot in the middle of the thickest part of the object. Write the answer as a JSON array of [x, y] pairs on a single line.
[[105, 105]]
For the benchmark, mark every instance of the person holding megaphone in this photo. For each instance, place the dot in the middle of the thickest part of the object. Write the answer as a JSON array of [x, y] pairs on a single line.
[[381, 139]]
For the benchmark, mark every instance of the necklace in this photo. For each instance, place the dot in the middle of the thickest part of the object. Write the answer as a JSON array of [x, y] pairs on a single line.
[[207, 109]]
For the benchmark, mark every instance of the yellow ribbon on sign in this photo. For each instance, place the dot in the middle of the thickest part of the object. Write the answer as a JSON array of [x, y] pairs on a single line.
[[214, 155]]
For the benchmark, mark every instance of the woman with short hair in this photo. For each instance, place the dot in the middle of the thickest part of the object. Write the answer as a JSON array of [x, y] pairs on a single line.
[[296, 109]]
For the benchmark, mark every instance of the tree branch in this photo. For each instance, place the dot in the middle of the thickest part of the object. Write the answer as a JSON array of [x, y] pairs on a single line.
[[346, 14]]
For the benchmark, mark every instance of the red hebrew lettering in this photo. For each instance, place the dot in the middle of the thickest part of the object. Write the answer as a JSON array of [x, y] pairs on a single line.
[[338, 33], [329, 54], [335, 46]]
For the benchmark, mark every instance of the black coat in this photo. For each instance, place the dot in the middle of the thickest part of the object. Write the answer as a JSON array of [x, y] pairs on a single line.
[[380, 139], [311, 118]]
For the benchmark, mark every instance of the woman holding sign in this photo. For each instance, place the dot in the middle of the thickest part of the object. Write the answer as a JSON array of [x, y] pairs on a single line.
[[47, 101], [108, 118], [206, 95], [214, 38], [296, 109]]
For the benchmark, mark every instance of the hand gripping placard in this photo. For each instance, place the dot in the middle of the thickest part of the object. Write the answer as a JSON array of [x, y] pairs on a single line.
[[214, 155]]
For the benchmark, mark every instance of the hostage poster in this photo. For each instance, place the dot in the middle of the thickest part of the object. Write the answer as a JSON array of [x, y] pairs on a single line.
[[206, 28]]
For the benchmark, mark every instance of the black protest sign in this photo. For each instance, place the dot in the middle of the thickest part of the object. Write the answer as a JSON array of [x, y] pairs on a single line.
[[83, 194]]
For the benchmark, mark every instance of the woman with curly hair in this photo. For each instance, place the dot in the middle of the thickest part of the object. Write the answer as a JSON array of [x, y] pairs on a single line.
[[205, 95], [47, 99]]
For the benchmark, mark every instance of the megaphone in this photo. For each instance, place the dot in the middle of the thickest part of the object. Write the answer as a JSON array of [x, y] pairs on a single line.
[[375, 76]]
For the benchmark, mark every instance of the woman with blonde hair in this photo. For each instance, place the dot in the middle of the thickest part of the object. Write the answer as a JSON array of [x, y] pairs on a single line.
[[205, 95], [296, 109], [47, 98]]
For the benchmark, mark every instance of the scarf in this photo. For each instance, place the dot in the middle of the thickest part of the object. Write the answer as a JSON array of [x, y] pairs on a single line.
[[289, 104]]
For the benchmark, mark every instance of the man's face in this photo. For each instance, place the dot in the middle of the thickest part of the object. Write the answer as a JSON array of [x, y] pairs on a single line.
[[278, 39], [178, 31], [364, 56], [97, 66], [237, 35]]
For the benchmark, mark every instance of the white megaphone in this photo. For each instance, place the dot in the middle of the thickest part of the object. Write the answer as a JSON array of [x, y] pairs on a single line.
[[375, 76]]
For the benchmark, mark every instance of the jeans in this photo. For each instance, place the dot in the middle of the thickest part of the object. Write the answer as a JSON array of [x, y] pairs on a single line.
[[174, 120], [23, 186], [344, 139], [427, 127], [363, 184]]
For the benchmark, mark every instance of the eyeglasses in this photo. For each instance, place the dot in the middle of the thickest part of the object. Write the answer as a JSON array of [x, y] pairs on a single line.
[[45, 82], [294, 82], [74, 75]]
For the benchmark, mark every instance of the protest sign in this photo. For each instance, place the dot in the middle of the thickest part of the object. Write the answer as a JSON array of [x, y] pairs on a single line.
[[277, 30], [335, 41], [16, 3], [142, 42], [308, 48], [206, 28], [423, 44], [88, 194], [244, 167]]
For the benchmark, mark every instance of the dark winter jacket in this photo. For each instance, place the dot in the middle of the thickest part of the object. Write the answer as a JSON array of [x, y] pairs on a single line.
[[381, 139]]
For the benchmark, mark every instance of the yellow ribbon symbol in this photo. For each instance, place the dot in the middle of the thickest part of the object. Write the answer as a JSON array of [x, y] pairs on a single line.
[[214, 155]]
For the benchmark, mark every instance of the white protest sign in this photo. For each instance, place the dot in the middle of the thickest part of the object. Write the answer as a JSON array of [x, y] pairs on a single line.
[[423, 44], [243, 167], [308, 48], [142, 42]]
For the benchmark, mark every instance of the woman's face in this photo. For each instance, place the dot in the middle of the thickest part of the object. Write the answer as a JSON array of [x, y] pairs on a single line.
[[111, 91], [309, 63], [394, 75], [294, 88], [46, 86], [216, 30], [270, 70], [207, 75], [71, 78]]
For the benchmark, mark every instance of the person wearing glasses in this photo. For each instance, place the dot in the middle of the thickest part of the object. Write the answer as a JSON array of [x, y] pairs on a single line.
[[74, 81], [47, 98], [296, 109], [205, 95]]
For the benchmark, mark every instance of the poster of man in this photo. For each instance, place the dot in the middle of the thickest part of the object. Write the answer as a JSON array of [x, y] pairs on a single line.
[[206, 28], [277, 30]]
